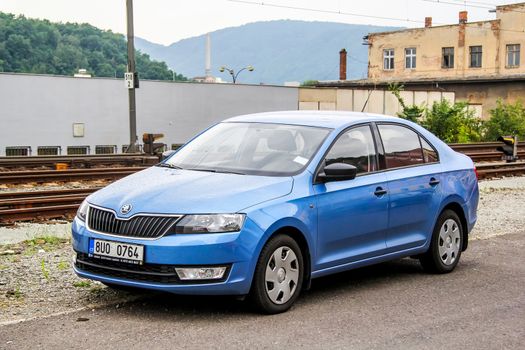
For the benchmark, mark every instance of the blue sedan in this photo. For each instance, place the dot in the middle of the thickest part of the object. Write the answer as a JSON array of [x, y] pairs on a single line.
[[261, 204]]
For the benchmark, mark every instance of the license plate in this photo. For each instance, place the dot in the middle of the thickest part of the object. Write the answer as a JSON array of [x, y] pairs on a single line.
[[116, 251]]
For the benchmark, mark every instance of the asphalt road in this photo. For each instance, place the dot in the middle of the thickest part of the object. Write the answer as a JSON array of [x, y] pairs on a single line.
[[390, 306]]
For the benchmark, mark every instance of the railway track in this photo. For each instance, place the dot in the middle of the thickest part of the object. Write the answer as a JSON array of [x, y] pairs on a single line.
[[43, 205], [40, 205], [484, 151], [41, 176], [491, 170], [78, 162], [53, 204]]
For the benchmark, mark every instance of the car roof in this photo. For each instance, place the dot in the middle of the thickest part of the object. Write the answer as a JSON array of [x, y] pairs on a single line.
[[324, 119]]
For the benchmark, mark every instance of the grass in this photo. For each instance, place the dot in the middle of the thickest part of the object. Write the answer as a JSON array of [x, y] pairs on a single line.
[[63, 265], [45, 271], [82, 284], [47, 243], [17, 294]]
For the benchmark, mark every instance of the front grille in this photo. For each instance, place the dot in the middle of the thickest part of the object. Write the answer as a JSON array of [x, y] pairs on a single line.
[[156, 273], [141, 226]]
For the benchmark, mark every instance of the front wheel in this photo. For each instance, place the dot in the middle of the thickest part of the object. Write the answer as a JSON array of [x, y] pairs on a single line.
[[445, 247], [278, 276]]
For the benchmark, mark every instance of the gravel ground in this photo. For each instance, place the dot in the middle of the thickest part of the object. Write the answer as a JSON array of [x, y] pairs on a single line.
[[501, 208], [52, 186], [36, 277], [36, 280]]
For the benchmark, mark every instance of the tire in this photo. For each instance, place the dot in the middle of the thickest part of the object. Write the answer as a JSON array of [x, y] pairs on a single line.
[[277, 282], [446, 245]]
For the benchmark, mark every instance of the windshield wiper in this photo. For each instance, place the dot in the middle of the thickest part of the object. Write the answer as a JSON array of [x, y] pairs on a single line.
[[167, 165], [216, 171]]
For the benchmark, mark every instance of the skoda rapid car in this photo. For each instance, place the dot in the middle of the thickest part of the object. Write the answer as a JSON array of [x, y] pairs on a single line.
[[261, 204]]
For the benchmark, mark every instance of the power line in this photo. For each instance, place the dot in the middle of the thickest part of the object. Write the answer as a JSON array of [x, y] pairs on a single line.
[[466, 4], [476, 2], [309, 9], [459, 4], [334, 12]]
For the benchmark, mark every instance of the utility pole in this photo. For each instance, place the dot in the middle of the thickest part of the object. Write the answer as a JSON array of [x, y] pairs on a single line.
[[133, 75]]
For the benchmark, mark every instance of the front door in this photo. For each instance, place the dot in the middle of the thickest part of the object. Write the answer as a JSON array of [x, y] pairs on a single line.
[[352, 214]]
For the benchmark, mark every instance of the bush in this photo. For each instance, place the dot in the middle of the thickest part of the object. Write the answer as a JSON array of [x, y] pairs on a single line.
[[506, 119], [453, 123], [410, 112]]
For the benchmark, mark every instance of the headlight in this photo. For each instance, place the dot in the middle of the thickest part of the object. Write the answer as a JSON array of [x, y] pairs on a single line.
[[82, 210], [210, 223]]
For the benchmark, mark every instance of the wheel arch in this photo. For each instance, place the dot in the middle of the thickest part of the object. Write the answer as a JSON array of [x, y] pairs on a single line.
[[300, 233], [301, 240], [460, 212]]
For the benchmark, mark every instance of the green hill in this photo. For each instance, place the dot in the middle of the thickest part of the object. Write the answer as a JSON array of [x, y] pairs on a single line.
[[39, 46]]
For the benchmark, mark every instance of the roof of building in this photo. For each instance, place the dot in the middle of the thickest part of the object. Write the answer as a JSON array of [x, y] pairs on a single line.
[[507, 7], [429, 28], [324, 119], [423, 81]]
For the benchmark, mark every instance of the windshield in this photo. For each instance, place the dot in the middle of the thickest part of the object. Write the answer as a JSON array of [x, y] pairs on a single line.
[[251, 148]]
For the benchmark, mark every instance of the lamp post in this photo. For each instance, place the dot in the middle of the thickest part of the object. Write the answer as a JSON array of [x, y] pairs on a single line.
[[232, 72]]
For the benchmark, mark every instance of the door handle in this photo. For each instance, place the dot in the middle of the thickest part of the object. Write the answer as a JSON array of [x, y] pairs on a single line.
[[433, 181], [380, 191]]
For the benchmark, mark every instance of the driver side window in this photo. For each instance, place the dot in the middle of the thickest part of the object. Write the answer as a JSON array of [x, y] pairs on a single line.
[[355, 147]]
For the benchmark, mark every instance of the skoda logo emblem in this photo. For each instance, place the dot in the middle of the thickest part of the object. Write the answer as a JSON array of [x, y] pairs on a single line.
[[126, 208]]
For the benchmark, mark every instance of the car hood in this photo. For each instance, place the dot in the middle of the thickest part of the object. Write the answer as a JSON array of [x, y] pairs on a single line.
[[172, 191]]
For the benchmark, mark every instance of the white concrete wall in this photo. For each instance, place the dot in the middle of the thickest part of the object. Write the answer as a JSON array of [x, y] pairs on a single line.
[[40, 110], [379, 101]]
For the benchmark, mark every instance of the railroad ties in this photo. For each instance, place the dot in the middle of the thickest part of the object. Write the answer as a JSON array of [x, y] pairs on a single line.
[[53, 204], [40, 205], [63, 203]]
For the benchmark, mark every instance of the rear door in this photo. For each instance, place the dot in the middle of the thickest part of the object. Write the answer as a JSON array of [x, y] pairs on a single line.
[[352, 214], [414, 178]]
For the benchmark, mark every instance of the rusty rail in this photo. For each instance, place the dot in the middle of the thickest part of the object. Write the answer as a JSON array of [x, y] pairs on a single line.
[[78, 161], [40, 176], [40, 205]]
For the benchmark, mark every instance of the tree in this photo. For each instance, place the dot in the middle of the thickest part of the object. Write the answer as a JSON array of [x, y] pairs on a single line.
[[39, 46], [411, 112], [453, 123], [506, 119]]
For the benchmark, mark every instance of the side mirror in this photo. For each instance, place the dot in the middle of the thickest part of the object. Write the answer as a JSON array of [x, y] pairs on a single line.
[[167, 154], [337, 172]]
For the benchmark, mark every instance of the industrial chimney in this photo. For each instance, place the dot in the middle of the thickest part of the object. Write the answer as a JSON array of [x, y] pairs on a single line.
[[428, 22], [463, 16], [342, 64], [208, 56]]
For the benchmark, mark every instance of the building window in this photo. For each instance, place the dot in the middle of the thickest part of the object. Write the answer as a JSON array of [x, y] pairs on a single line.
[[513, 55], [475, 56], [410, 58], [388, 59], [448, 57]]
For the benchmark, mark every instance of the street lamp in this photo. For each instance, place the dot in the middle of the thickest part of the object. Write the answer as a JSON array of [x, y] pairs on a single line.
[[232, 72]]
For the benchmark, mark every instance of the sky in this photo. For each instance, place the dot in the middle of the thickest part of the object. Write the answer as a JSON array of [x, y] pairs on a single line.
[[168, 21]]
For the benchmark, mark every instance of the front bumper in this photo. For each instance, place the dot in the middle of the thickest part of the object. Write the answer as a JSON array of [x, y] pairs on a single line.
[[237, 250]]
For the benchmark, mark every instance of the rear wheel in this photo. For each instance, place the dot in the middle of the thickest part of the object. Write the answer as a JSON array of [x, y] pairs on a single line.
[[278, 277], [445, 247]]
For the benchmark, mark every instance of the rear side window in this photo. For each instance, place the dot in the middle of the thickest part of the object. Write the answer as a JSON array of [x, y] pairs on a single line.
[[355, 147], [429, 153], [402, 146]]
